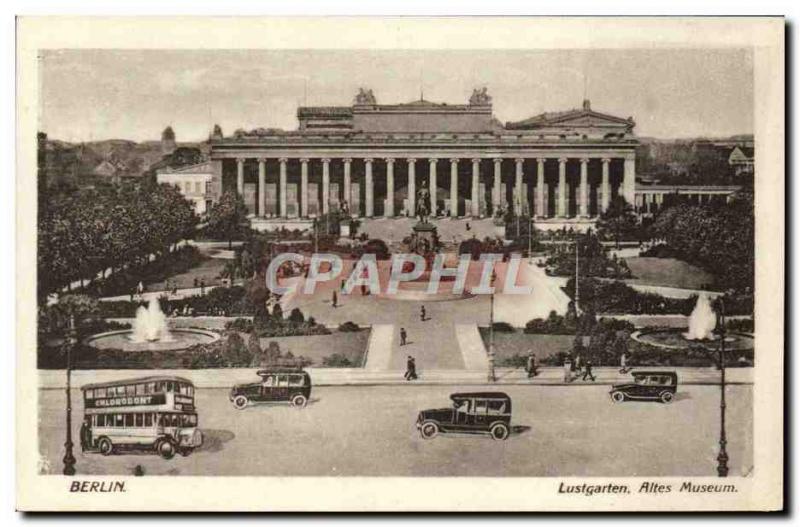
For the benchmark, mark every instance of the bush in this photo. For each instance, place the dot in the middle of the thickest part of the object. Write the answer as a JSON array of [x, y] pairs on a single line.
[[245, 325], [349, 327], [337, 360], [296, 316], [377, 247], [503, 327]]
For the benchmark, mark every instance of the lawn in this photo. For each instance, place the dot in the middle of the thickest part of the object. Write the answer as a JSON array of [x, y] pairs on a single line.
[[352, 345], [506, 345], [668, 272], [208, 270]]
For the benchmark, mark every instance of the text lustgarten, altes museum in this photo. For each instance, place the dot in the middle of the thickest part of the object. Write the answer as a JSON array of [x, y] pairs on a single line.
[[373, 159]]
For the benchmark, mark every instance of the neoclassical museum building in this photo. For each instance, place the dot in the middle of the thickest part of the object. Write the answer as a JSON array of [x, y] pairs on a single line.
[[376, 160]]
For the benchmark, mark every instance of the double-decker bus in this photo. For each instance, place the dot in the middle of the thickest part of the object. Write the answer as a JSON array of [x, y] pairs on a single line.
[[153, 413]]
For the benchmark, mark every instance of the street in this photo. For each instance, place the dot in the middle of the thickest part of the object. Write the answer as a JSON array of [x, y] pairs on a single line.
[[369, 431]]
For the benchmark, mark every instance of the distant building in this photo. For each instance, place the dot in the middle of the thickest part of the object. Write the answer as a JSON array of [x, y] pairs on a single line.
[[194, 182], [742, 160]]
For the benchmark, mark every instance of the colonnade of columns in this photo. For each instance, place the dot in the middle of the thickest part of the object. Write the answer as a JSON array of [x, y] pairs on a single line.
[[519, 201]]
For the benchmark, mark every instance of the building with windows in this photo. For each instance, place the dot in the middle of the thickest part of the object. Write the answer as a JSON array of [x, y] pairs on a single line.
[[196, 183]]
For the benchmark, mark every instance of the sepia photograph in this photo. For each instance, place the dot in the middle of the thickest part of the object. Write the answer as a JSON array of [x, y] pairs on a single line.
[[525, 263]]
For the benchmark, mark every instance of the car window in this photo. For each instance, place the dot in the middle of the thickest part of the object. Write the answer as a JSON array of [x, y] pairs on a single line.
[[462, 406], [497, 407], [480, 406], [295, 380], [269, 380]]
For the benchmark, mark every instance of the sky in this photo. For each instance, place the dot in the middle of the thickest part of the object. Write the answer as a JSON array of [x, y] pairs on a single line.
[[89, 95]]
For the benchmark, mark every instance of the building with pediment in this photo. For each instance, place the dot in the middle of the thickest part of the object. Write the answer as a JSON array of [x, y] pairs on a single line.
[[370, 159]]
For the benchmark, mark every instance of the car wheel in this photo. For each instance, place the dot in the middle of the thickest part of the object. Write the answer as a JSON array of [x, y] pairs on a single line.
[[499, 432], [617, 397], [429, 430], [240, 402], [165, 449], [299, 401], [666, 397], [105, 446], [185, 452]]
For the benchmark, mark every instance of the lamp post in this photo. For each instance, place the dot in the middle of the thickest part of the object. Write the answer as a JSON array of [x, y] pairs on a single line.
[[69, 458], [316, 235], [530, 239], [491, 376], [722, 458]]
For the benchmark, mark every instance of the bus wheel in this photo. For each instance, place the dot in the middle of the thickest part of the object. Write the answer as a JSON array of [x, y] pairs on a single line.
[[299, 400], [165, 449], [240, 402], [105, 446]]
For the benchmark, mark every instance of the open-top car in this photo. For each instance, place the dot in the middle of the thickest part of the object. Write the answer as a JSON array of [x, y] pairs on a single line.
[[291, 385], [470, 413], [647, 386]]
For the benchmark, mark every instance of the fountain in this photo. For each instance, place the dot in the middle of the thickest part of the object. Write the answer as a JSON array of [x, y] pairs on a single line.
[[702, 323], [151, 333]]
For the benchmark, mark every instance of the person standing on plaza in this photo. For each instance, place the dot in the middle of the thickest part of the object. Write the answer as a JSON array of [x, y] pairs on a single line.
[[587, 371], [334, 299], [568, 369], [403, 336], [422, 314], [202, 287], [530, 366], [623, 363]]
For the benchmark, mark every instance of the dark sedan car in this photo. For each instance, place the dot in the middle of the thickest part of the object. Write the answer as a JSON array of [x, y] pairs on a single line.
[[647, 386], [471, 413], [291, 385]]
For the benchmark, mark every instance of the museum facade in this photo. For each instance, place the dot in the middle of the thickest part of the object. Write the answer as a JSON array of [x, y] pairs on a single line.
[[376, 160]]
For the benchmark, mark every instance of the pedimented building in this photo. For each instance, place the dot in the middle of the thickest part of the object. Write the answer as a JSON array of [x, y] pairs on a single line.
[[373, 159]]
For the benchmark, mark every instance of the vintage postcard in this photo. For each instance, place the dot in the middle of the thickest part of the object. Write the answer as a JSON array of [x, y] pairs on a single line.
[[400, 264]]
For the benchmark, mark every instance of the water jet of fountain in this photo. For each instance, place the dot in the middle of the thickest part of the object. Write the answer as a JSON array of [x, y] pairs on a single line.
[[702, 321], [150, 324]]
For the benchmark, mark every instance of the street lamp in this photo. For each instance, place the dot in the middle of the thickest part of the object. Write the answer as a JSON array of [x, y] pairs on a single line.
[[69, 458], [722, 458], [491, 377], [530, 239]]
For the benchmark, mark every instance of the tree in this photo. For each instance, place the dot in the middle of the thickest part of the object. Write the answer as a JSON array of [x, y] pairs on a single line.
[[228, 217], [618, 222]]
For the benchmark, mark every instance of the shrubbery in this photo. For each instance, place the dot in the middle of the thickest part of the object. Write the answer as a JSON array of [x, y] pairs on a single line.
[[348, 327]]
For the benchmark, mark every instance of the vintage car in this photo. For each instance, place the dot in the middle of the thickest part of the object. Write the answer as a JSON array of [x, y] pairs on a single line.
[[648, 386], [291, 385], [471, 413]]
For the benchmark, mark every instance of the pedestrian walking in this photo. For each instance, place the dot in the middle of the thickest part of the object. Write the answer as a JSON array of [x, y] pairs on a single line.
[[85, 435], [140, 288], [587, 370], [341, 287], [403, 336], [530, 366], [202, 287], [468, 227], [422, 313], [623, 363], [334, 299], [411, 369], [577, 364]]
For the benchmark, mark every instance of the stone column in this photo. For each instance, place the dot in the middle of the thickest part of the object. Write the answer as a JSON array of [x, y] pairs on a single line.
[[584, 191], [368, 202], [606, 186], [262, 183], [496, 187], [629, 179], [240, 176], [347, 184], [389, 209], [540, 212], [562, 187], [454, 188], [432, 166], [304, 188], [476, 182], [518, 186], [282, 186], [412, 187], [326, 185]]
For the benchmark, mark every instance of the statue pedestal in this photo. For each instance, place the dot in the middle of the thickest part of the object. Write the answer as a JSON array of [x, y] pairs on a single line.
[[424, 237]]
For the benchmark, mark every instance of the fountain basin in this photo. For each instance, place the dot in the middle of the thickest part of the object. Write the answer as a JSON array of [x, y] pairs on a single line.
[[176, 339], [673, 338]]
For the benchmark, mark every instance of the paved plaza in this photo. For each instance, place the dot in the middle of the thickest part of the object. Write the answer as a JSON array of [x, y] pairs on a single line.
[[369, 431]]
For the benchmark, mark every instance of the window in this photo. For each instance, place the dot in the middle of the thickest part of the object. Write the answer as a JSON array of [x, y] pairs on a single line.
[[99, 393], [118, 420], [129, 420], [462, 406], [148, 420], [480, 406], [497, 407], [138, 420], [130, 389], [269, 380], [197, 187], [100, 420], [140, 389], [283, 380], [148, 387], [296, 380]]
